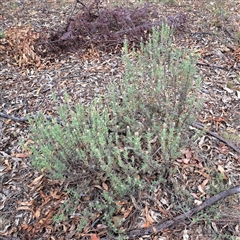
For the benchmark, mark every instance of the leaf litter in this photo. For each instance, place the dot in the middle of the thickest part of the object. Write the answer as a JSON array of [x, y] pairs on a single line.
[[29, 200]]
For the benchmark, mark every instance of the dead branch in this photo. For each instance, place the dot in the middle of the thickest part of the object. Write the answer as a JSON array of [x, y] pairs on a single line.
[[211, 65], [24, 119], [107, 29], [201, 127], [9, 238], [133, 234]]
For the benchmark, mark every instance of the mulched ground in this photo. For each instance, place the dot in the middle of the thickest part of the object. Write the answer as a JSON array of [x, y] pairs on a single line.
[[28, 200]]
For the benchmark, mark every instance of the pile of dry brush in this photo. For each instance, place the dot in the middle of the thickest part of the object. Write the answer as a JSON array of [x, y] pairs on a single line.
[[106, 28]]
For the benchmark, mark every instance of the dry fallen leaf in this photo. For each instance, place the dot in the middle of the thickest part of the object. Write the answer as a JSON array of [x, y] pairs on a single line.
[[126, 214], [195, 195], [154, 230], [55, 194], [185, 234], [37, 180], [238, 94], [8, 165], [37, 213], [146, 225], [22, 155], [25, 208], [27, 203], [105, 186], [204, 183], [229, 90], [148, 217], [117, 220], [200, 189], [101, 226], [224, 149], [95, 237], [197, 202], [98, 186], [221, 170]]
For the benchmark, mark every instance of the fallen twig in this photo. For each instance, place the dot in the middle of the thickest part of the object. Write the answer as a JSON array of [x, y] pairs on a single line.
[[9, 238], [201, 127], [212, 65], [24, 119], [133, 234], [17, 119], [199, 33]]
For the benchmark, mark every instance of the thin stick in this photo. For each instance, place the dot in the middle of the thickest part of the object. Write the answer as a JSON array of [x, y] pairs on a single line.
[[133, 234], [201, 127], [212, 65], [24, 119]]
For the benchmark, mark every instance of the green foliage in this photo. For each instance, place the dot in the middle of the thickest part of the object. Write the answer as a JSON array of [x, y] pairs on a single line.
[[128, 139], [231, 137], [2, 34], [163, 77], [59, 217], [237, 37]]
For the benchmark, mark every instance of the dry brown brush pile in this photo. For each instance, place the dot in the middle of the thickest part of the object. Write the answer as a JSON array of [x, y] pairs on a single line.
[[106, 28]]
